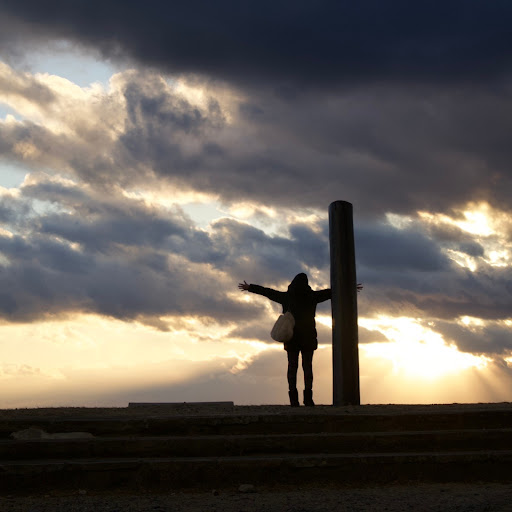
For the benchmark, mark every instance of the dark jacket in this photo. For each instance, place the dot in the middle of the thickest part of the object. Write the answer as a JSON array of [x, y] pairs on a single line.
[[301, 301]]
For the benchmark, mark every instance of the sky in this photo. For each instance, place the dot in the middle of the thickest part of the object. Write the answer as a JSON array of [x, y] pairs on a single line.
[[153, 155]]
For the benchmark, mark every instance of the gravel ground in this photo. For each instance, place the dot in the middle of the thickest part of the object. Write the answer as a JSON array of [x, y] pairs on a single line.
[[403, 498]]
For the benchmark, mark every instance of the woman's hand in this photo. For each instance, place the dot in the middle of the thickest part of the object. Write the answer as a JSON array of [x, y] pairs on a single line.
[[243, 286]]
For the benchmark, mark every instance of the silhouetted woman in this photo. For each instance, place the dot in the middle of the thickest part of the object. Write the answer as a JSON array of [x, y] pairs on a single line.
[[301, 301]]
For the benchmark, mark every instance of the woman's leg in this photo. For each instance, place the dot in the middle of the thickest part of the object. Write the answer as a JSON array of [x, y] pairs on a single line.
[[293, 365], [307, 366]]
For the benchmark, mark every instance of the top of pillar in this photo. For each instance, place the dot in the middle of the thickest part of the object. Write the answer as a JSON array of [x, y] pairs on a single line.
[[339, 203]]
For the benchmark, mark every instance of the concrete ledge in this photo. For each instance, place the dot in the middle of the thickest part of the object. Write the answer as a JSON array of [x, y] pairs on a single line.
[[211, 445], [183, 405], [251, 445], [159, 423], [208, 472], [257, 410]]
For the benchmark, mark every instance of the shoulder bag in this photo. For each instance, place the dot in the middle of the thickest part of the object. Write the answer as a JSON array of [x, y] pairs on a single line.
[[283, 328]]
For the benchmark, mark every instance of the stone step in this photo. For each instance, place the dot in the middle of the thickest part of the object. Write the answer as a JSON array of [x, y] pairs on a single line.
[[234, 445], [286, 423], [230, 472]]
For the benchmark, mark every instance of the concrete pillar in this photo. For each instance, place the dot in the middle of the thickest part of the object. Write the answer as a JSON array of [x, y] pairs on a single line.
[[345, 353]]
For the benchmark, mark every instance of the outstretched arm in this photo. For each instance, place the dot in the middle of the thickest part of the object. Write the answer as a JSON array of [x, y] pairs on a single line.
[[244, 287], [271, 294], [323, 295]]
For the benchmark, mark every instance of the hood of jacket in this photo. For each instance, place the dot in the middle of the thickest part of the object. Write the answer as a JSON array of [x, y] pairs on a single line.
[[299, 284]]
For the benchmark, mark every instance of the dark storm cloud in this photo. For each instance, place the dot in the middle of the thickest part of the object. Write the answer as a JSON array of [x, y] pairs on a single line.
[[168, 133], [303, 42], [36, 147], [485, 294], [99, 224], [133, 261], [91, 252], [52, 279], [408, 273], [13, 210], [151, 107], [269, 258], [456, 239], [123, 266], [395, 148], [390, 249], [102, 227], [490, 339], [384, 148]]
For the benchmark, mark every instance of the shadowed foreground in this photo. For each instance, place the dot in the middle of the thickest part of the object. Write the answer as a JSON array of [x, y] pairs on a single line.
[[395, 498], [182, 452]]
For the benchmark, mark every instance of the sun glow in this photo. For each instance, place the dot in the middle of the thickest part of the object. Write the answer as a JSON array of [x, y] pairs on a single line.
[[476, 219], [417, 351], [471, 321], [487, 227], [462, 259]]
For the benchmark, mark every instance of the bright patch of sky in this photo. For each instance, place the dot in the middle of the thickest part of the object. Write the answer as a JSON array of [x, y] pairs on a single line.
[[5, 111], [484, 224], [103, 342], [204, 209], [11, 175], [64, 60], [416, 350], [203, 213], [399, 221], [477, 219]]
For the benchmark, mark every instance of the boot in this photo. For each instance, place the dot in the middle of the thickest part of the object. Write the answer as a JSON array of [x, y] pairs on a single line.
[[308, 398], [294, 398]]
